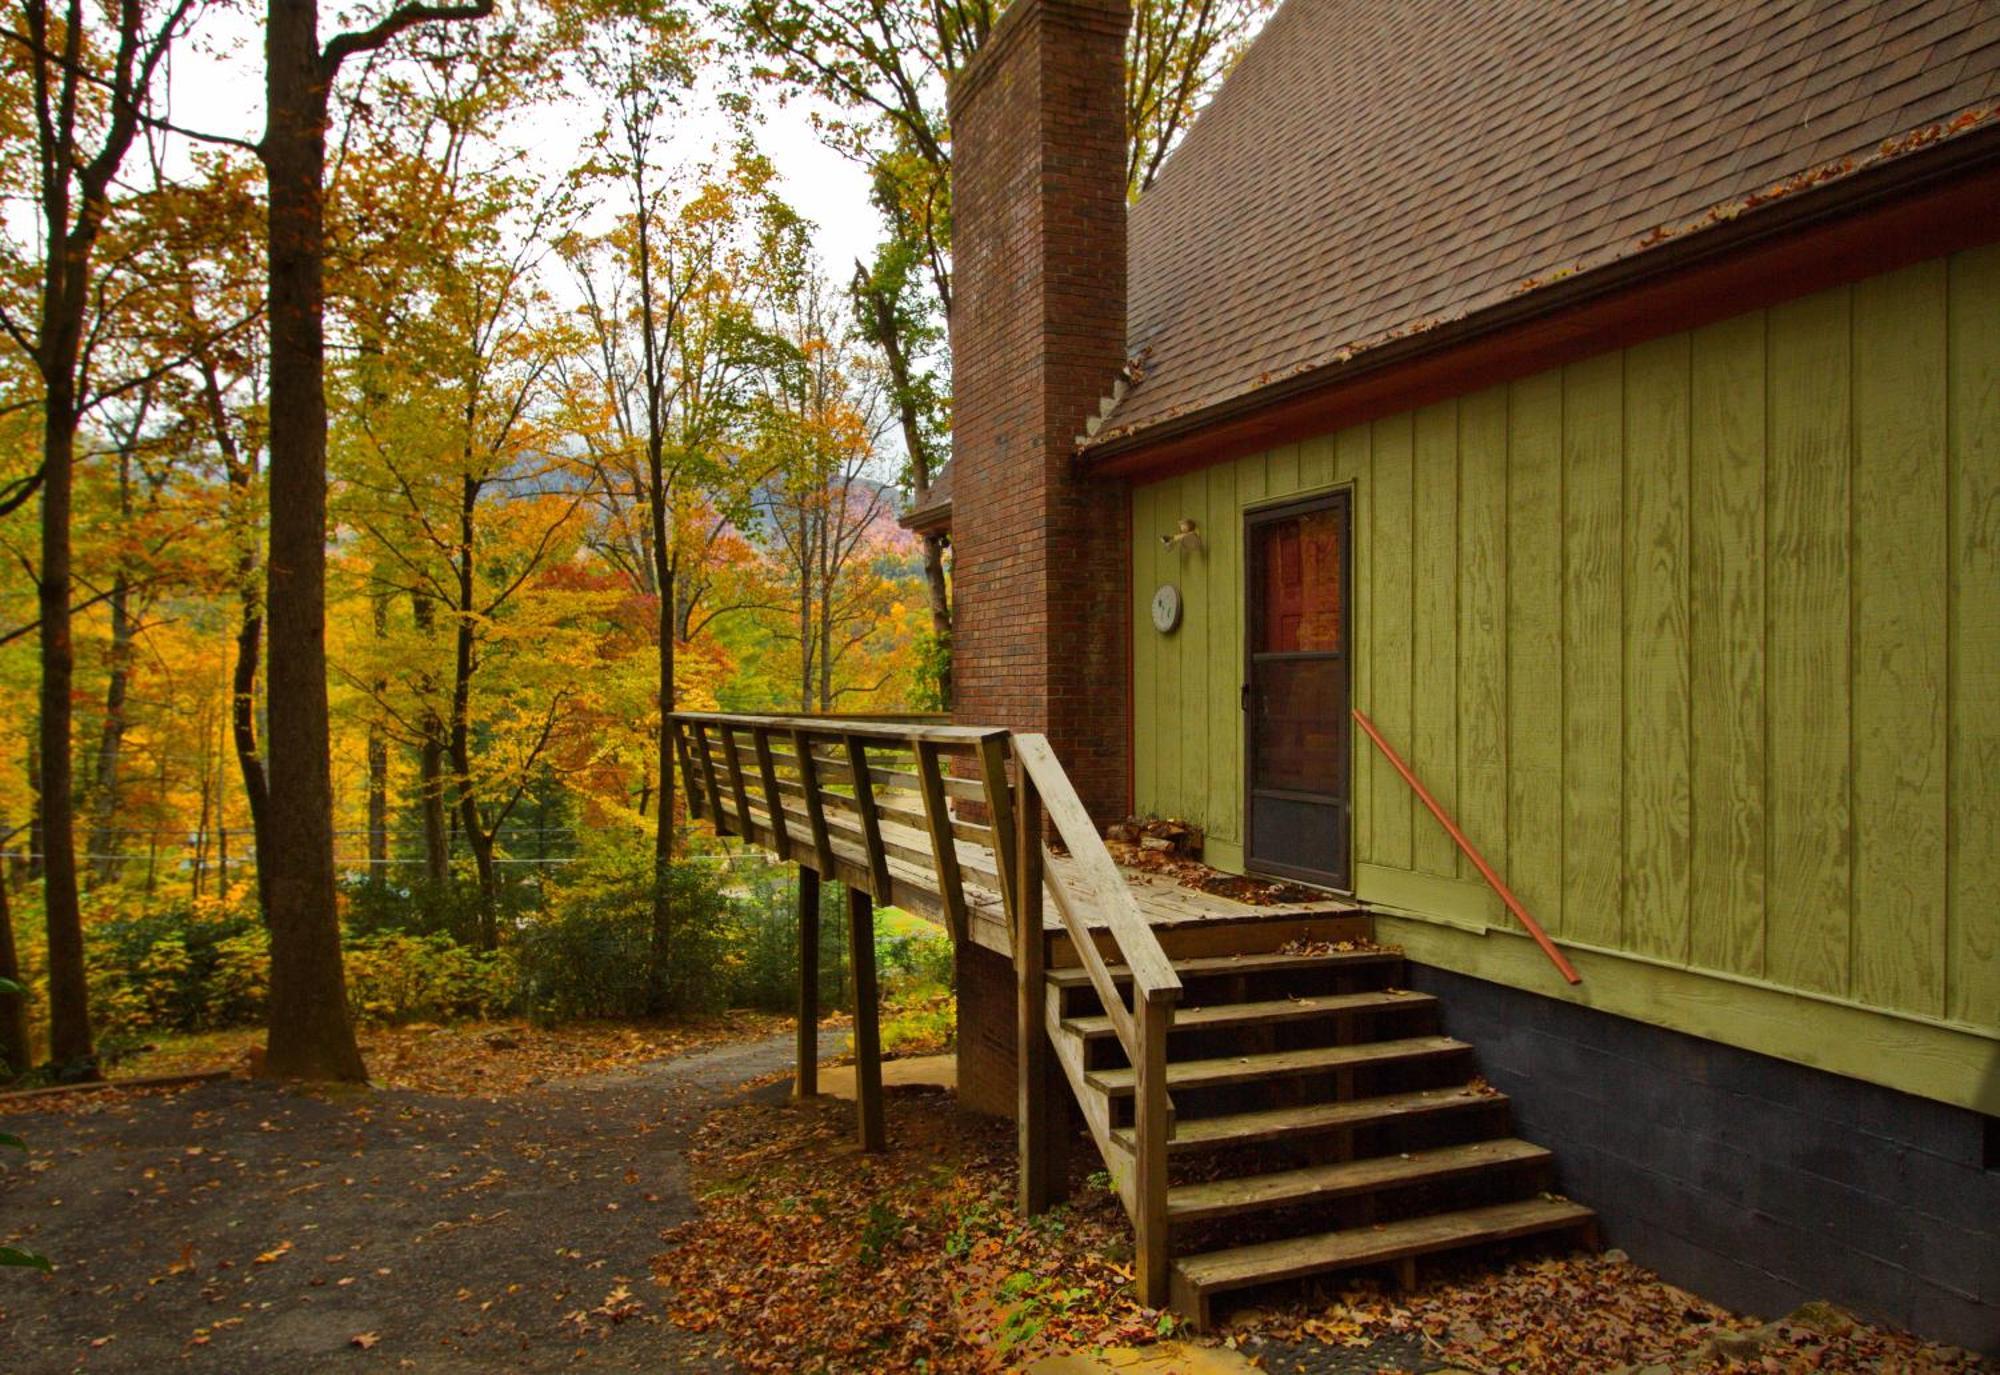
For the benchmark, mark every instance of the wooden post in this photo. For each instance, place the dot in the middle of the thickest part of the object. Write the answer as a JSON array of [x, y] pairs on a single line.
[[867, 1031], [805, 1083], [1149, 1134], [1031, 1115]]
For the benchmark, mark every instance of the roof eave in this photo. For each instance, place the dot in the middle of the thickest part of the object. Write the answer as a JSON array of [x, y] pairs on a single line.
[[1945, 185]]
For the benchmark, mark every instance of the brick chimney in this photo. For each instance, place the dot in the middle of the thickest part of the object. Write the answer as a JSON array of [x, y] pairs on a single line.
[[1042, 559]]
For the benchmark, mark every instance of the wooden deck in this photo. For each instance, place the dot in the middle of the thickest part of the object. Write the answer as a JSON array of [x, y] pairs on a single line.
[[729, 782], [914, 885]]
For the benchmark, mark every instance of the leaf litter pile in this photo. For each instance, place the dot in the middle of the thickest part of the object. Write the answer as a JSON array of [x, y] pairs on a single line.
[[810, 1256], [474, 1059], [1600, 1313]]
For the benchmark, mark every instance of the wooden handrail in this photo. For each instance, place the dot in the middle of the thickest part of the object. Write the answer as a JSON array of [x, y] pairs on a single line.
[[1105, 890], [1141, 1028], [895, 730], [1533, 927]]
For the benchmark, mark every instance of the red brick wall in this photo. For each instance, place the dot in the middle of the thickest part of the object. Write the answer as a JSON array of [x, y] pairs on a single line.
[[1041, 560], [985, 1031]]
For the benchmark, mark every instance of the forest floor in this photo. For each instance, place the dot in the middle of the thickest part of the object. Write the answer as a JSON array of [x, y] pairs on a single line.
[[807, 1255], [495, 1208], [623, 1198]]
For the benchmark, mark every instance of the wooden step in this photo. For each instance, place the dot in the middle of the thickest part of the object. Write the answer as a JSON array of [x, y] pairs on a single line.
[[1197, 1278], [1239, 1069], [1342, 1179], [1209, 966], [1221, 1016], [1270, 1124]]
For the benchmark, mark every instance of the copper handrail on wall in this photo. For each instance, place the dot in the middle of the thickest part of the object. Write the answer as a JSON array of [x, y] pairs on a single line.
[[1534, 928]]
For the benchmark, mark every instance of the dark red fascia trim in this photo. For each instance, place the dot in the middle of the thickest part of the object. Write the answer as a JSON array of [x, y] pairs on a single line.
[[1871, 223]]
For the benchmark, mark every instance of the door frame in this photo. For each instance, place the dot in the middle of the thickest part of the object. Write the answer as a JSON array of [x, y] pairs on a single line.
[[1341, 879]]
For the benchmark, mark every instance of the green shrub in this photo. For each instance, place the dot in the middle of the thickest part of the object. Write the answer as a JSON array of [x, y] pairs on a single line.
[[591, 953], [191, 966], [426, 907], [916, 956], [401, 978], [765, 972]]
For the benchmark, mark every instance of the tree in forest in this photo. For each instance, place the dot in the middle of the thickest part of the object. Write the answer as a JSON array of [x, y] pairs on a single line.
[[311, 1032], [91, 78], [471, 503], [826, 513], [670, 298], [885, 66]]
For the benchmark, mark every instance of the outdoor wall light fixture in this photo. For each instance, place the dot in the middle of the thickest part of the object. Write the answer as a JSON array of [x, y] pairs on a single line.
[[1187, 538]]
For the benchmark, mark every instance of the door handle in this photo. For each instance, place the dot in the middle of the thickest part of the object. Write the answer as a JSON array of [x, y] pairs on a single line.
[[1246, 697]]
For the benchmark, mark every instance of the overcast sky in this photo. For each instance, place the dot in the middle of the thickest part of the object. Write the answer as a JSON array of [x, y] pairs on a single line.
[[217, 87]]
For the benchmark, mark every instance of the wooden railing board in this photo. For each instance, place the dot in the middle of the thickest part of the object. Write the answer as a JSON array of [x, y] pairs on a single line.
[[938, 821], [733, 758], [815, 813], [767, 771], [889, 730], [714, 799], [999, 800]]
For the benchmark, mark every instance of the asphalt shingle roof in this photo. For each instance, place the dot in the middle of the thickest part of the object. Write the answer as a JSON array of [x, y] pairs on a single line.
[[1373, 166]]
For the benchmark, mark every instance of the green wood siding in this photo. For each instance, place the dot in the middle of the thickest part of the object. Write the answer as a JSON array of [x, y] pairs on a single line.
[[1700, 640]]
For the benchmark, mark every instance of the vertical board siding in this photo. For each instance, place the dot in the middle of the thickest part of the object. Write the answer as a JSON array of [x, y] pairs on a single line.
[[1482, 626], [1700, 640], [1190, 569], [1535, 648], [1897, 601], [1726, 646], [1655, 580], [1973, 961], [1593, 658], [1433, 734], [1224, 815], [1149, 739], [1354, 463], [1388, 602], [1805, 591]]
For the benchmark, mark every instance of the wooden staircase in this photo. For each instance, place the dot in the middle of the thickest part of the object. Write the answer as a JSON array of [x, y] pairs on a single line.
[[1319, 1122], [1265, 1116]]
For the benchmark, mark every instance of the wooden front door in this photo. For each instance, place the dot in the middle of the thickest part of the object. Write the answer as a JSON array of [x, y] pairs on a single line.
[[1295, 696]]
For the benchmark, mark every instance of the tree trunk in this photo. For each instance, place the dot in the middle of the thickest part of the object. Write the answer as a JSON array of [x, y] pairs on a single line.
[[31, 869], [465, 662], [241, 472], [311, 1030], [885, 328], [71, 1049], [430, 758], [243, 722], [378, 769], [940, 594], [13, 1006], [660, 954], [102, 847]]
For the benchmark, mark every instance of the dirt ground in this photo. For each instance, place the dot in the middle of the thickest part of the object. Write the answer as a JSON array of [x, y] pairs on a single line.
[[238, 1226]]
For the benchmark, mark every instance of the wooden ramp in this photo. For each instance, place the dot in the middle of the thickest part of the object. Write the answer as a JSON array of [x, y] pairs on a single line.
[[1267, 1111]]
